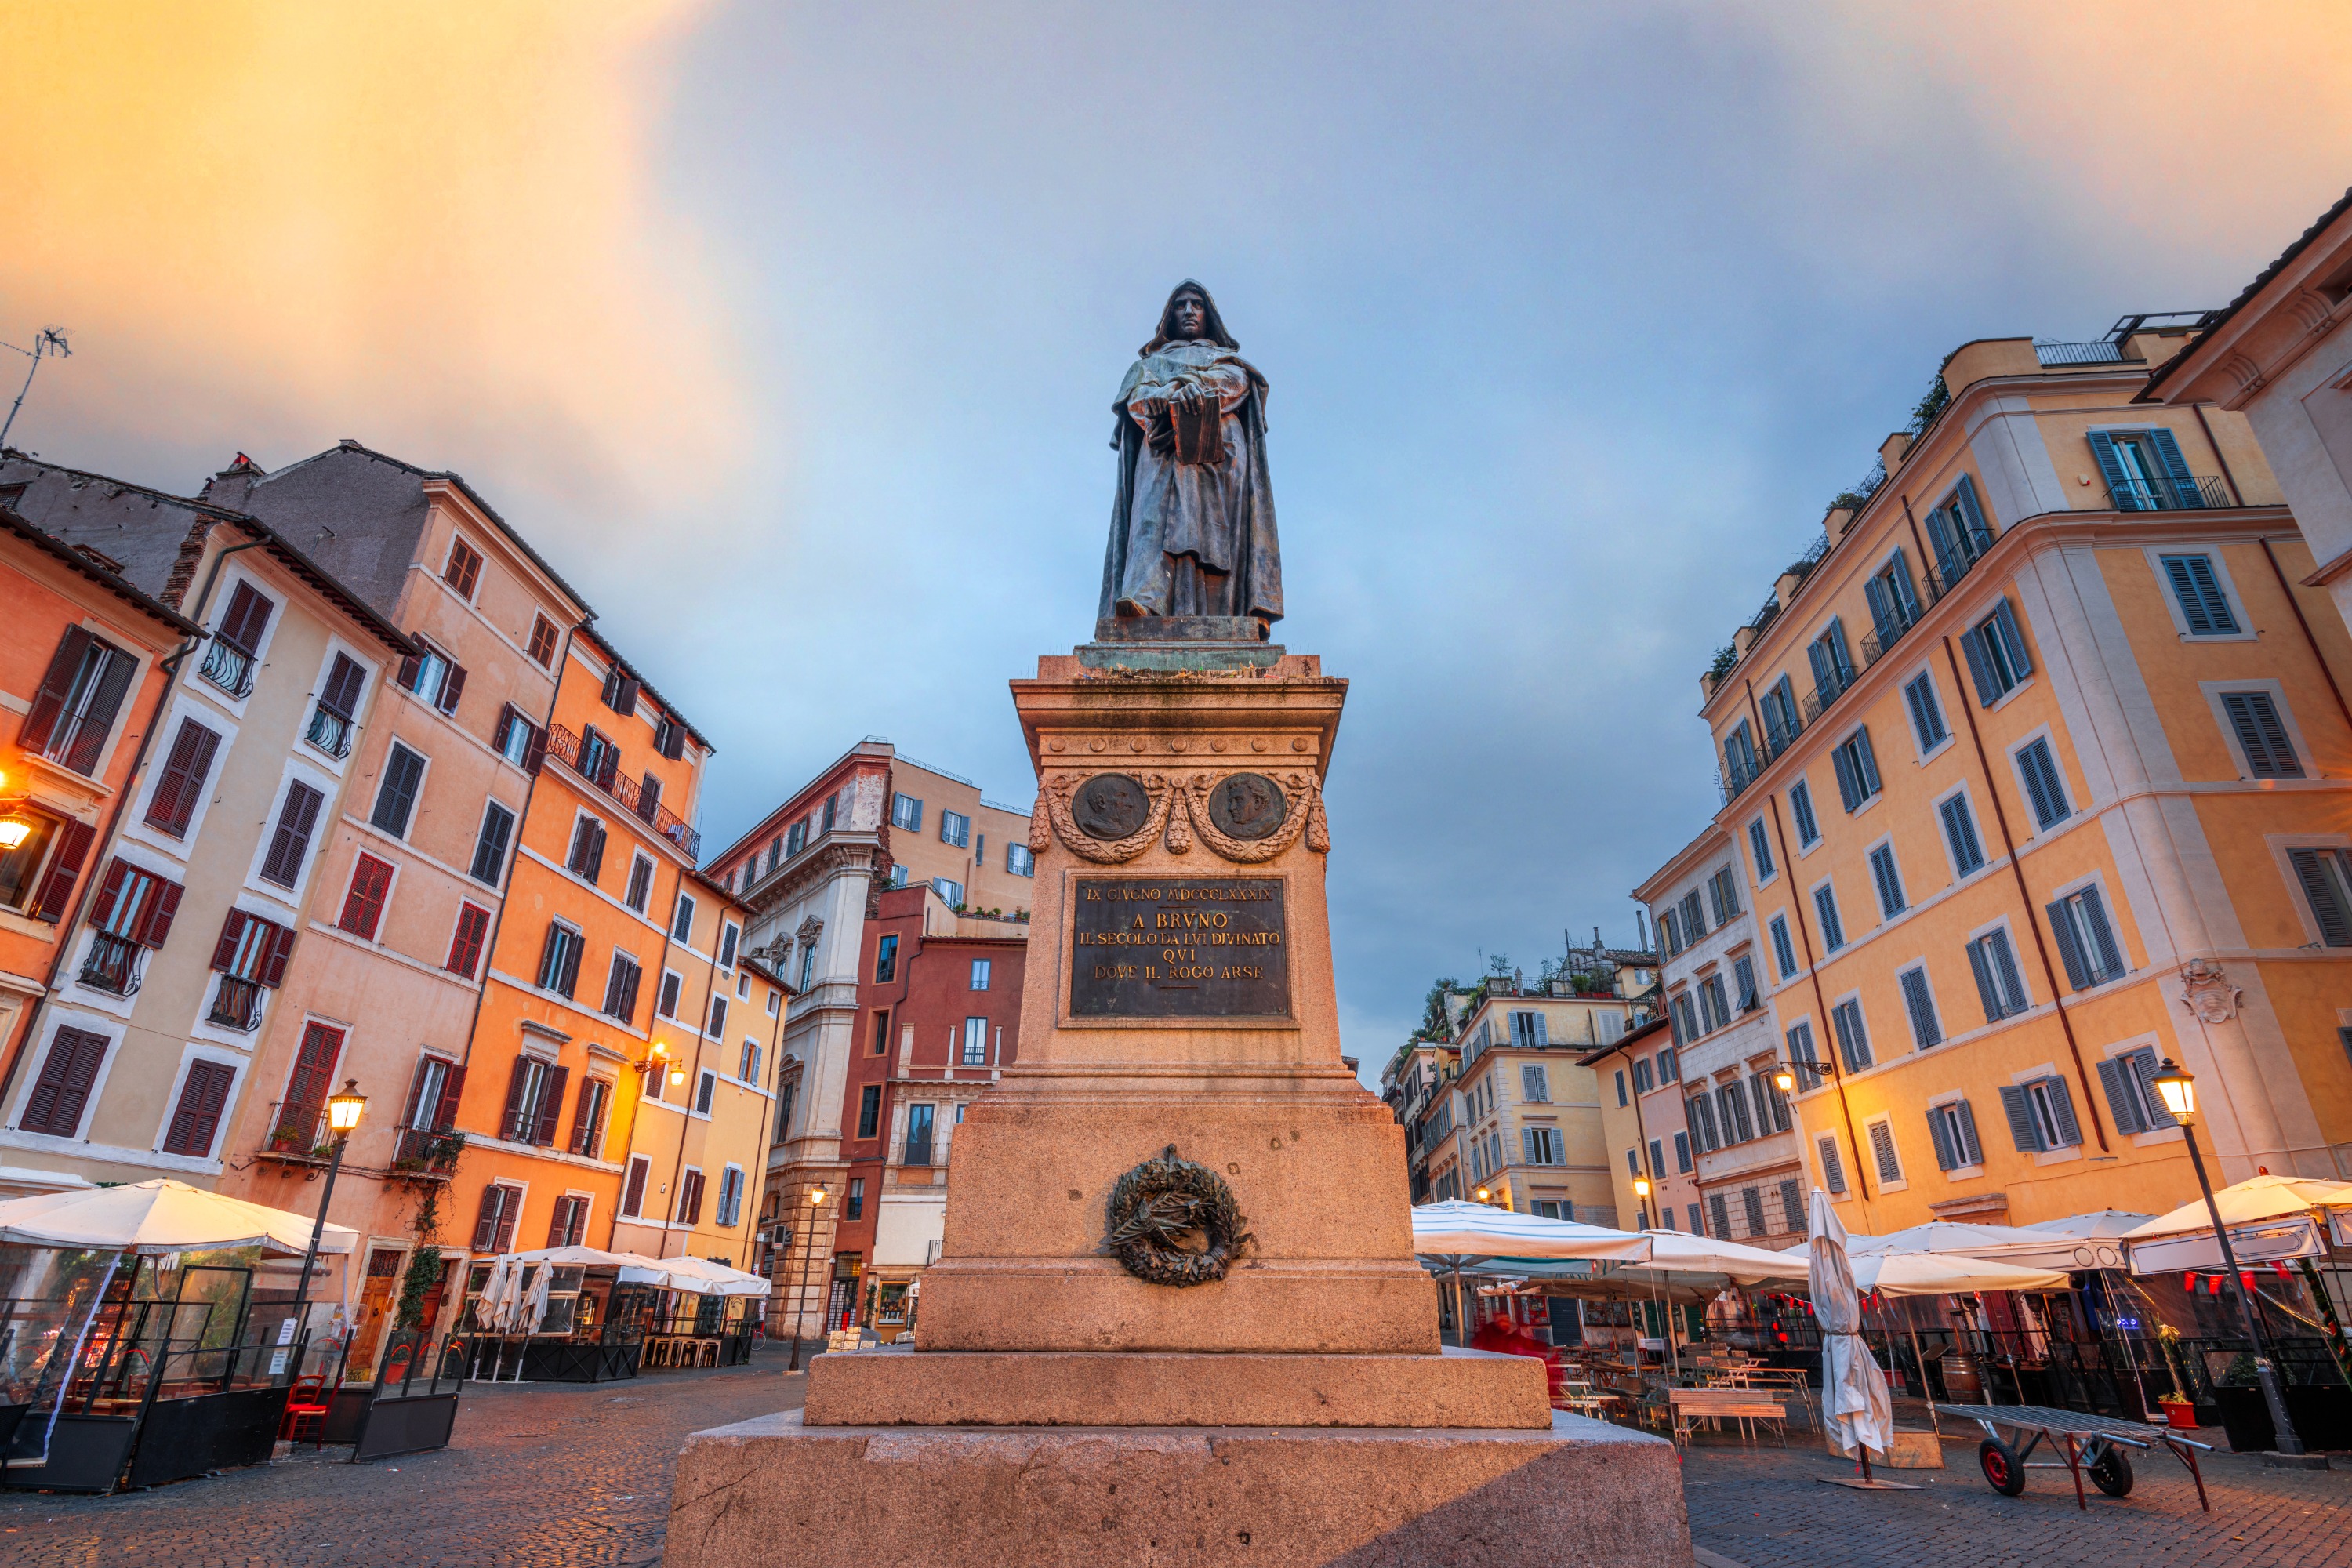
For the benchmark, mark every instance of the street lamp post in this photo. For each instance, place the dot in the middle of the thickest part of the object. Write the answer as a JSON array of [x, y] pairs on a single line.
[[343, 1111], [2179, 1090], [1641, 1190], [800, 1310]]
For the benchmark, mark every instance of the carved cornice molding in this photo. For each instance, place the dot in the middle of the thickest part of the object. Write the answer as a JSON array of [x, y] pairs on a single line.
[[820, 865], [1179, 811]]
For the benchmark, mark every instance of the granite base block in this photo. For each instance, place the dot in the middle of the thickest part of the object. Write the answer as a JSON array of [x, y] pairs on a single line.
[[775, 1493], [900, 1386]]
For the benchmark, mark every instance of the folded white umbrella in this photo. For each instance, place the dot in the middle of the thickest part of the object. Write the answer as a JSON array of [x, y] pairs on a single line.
[[493, 1297], [534, 1305], [159, 1216], [1854, 1391]]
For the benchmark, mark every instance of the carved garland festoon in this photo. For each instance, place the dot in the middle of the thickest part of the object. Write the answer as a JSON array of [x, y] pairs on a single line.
[[1172, 1222], [1165, 792]]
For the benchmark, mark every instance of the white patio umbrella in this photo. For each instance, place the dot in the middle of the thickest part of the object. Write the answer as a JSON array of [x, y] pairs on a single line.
[[704, 1278], [1855, 1402], [2093, 1240], [1680, 1252], [2270, 1218], [161, 1216], [1452, 1236]]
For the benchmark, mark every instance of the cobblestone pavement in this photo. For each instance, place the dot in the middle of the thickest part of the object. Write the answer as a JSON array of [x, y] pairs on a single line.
[[546, 1473], [1766, 1508]]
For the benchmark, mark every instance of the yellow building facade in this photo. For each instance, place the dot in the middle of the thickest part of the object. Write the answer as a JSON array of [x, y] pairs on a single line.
[[2039, 770]]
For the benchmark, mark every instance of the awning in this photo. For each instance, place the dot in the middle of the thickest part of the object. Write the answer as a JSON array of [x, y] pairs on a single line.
[[153, 1218], [2270, 1218]]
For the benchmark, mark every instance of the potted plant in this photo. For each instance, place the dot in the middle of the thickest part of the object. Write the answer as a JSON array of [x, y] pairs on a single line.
[[2179, 1411]]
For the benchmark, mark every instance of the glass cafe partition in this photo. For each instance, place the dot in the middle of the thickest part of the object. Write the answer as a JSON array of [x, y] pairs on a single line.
[[120, 1370], [593, 1331]]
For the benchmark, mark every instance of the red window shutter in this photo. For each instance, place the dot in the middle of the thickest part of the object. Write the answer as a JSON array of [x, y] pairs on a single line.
[[509, 1124], [62, 1091], [181, 786], [633, 1196], [444, 1114], [314, 1067], [41, 721], [74, 840], [109, 894], [232, 931], [465, 941], [157, 926], [408, 668], [485, 1228], [452, 686], [281, 948], [247, 617], [364, 904], [536, 755], [197, 1118], [551, 1106]]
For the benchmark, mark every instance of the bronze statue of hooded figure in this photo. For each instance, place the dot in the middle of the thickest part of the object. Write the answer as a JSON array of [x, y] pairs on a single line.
[[1192, 532]]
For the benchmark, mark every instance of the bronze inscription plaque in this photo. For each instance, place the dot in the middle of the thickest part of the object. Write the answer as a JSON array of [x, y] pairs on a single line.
[[1179, 947]]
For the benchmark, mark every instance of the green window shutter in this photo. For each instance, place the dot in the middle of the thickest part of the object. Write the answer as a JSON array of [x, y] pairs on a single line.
[[1989, 689], [2262, 735], [2062, 1109], [1945, 1156], [2322, 885], [1972, 1151], [2020, 663], [2069, 949], [1964, 496], [1987, 988], [2175, 467], [2111, 469], [2024, 1129], [2121, 1101]]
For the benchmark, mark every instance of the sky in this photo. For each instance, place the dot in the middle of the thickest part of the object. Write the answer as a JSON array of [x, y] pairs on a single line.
[[789, 334]]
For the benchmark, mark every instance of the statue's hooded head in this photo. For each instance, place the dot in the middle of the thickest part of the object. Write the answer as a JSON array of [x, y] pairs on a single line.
[[1212, 328]]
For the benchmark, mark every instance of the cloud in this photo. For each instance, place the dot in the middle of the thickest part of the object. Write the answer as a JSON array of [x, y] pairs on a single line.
[[432, 226]]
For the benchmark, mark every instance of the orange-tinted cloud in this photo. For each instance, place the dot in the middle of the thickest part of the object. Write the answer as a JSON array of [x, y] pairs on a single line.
[[432, 226]]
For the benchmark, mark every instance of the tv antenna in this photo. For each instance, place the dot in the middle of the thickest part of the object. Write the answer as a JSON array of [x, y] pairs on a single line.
[[50, 344]]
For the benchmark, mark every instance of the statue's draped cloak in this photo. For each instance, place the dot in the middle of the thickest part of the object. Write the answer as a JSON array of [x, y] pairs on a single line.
[[1220, 515]]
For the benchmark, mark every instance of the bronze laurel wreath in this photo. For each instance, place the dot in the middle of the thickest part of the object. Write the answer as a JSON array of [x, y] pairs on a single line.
[[1156, 1207]]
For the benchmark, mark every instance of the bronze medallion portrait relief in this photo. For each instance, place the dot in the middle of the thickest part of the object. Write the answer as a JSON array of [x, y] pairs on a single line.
[[1111, 806], [1248, 805]]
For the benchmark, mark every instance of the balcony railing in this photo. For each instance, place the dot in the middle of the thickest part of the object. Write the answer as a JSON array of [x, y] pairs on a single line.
[[1840, 682], [236, 1003], [1946, 574], [2105, 351], [1890, 632], [298, 1130], [564, 746], [112, 964], [229, 666], [2196, 492], [330, 731], [918, 1153], [427, 1150]]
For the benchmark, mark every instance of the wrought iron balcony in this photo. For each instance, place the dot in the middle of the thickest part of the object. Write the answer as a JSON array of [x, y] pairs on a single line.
[[1890, 632], [427, 1152], [298, 1130], [330, 731], [112, 964], [2103, 350], [229, 666], [1839, 683], [1946, 574], [603, 770], [2194, 493], [236, 1003]]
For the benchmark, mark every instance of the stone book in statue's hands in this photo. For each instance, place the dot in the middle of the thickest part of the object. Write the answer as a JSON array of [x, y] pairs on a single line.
[[1197, 424]]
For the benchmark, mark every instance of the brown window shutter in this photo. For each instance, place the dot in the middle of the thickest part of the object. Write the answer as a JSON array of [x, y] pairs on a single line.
[[453, 685], [408, 668], [550, 1107], [486, 1227], [110, 893], [157, 926], [536, 754], [197, 1117], [633, 1196], [73, 848], [41, 720], [444, 1114], [62, 1091], [292, 841], [343, 686], [282, 948], [516, 1084], [232, 930], [181, 786], [98, 721], [247, 617]]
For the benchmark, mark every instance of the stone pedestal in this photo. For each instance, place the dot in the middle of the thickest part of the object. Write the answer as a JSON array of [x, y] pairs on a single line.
[[1063, 1403]]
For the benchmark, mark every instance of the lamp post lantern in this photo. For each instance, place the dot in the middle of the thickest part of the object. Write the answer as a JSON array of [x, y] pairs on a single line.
[[1641, 1190], [800, 1308], [2178, 1088], [343, 1113]]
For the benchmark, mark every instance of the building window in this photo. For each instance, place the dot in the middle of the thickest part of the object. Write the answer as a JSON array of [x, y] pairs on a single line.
[[464, 569], [1996, 653], [1783, 953], [1889, 881], [517, 738], [2262, 735], [2204, 608], [588, 1117], [197, 1118], [61, 1093], [1739, 757], [681, 925], [882, 1032], [633, 1191], [1732, 1100], [808, 964], [1881, 1152], [2145, 471], [620, 693], [1684, 1013], [1833, 664], [2041, 1115], [1669, 1067], [1926, 713], [919, 1122], [1019, 861], [730, 936], [1621, 1099], [364, 903], [2130, 1082], [955, 827], [886, 959], [180, 788], [465, 941], [665, 1003], [795, 840], [1806, 1066], [705, 1088], [1699, 1116], [501, 1208], [1713, 1011], [568, 1225], [432, 678], [290, 846], [1952, 1128], [1693, 923], [907, 812], [1771, 1105], [587, 858], [73, 712], [1825, 907], [1957, 530], [621, 988], [2326, 878], [747, 1066], [980, 967], [716, 1028], [1919, 1002], [689, 1197], [1535, 1088], [1718, 1211], [853, 1207], [1682, 1152], [490, 844], [1723, 896], [1999, 983], [2086, 942], [1529, 1031], [558, 960], [1854, 1039], [542, 639], [1759, 849], [1857, 770], [869, 1110], [1893, 602], [730, 1197], [2044, 787], [1960, 835], [1781, 722], [975, 1042], [1800, 806], [534, 1100], [950, 890], [641, 884], [236, 641], [1643, 1080], [1833, 1167], [1542, 1146]]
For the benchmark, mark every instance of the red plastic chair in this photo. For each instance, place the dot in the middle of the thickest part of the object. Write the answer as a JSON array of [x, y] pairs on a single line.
[[306, 1403]]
